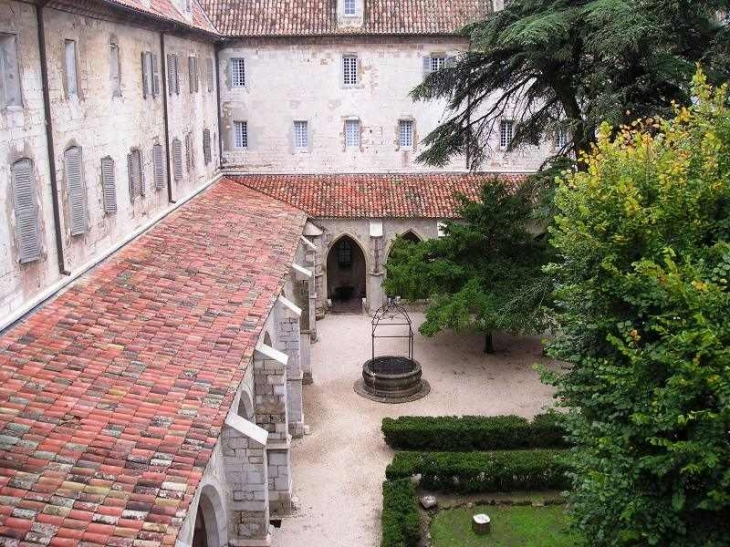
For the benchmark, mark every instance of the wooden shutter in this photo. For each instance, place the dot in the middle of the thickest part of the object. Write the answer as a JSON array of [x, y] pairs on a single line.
[[159, 166], [177, 74], [27, 221], [211, 75], [76, 191], [206, 146], [177, 169], [155, 76], [145, 81], [108, 185], [170, 75], [136, 181], [426, 66]]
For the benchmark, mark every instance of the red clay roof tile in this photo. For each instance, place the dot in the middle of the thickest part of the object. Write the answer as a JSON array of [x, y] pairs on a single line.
[[374, 196], [134, 367]]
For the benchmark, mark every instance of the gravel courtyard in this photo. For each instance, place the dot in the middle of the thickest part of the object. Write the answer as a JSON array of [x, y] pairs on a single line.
[[339, 468]]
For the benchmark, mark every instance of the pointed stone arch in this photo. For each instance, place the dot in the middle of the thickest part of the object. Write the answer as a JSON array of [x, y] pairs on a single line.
[[210, 520], [346, 272]]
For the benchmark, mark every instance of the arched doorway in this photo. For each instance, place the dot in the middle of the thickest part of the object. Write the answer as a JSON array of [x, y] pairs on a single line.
[[346, 276], [208, 531]]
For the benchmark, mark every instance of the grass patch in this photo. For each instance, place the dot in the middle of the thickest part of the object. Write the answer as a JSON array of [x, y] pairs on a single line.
[[512, 526]]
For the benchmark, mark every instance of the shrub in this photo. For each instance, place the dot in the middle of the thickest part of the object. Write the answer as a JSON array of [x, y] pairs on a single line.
[[472, 472], [400, 517], [644, 300], [469, 433]]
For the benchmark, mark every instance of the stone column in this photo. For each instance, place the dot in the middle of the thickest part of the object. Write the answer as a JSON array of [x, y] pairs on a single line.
[[289, 342], [246, 470], [314, 235], [377, 273], [270, 407]]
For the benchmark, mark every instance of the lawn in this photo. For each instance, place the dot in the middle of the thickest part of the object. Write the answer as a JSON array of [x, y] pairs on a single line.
[[512, 526]]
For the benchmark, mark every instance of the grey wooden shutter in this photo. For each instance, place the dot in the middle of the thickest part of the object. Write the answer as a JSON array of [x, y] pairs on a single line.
[[188, 152], [134, 164], [76, 191], [108, 185], [155, 76], [26, 211], [190, 75], [177, 169], [170, 76], [145, 81], [426, 66], [206, 146], [211, 75], [159, 166], [177, 74], [450, 61]]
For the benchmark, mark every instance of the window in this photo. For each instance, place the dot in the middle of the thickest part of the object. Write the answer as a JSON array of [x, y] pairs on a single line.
[[177, 168], [10, 93], [211, 74], [352, 133], [158, 163], [173, 75], [155, 75], [241, 134], [350, 7], [72, 82], [73, 169], [301, 135], [238, 72], [437, 62], [506, 129], [115, 70], [349, 69], [194, 74], [561, 138], [344, 254], [108, 185], [136, 182], [405, 133], [25, 205], [207, 152]]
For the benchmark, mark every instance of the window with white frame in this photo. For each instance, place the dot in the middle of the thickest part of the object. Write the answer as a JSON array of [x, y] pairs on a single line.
[[72, 82], [350, 7], [352, 133], [301, 135], [405, 133], [241, 134], [238, 72], [349, 69], [437, 62], [9, 72], [561, 138], [506, 132]]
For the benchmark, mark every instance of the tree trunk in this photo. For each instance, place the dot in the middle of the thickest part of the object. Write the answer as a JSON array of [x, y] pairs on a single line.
[[488, 343]]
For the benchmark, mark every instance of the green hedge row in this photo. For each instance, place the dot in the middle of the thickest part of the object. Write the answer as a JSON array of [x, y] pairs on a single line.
[[472, 472], [470, 433], [400, 517]]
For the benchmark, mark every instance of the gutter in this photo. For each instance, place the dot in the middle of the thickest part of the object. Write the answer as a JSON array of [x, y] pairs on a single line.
[[165, 109], [50, 292], [58, 227]]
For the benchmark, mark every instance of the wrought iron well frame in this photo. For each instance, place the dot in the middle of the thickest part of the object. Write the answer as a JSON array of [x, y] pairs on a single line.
[[391, 309]]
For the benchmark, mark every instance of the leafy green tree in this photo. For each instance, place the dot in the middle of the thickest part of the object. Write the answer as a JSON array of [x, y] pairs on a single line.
[[643, 308], [484, 275], [570, 65]]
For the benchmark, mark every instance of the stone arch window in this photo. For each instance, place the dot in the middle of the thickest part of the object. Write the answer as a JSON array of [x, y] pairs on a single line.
[[210, 521]]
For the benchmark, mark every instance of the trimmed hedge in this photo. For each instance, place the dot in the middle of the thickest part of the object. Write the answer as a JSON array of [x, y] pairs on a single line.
[[473, 472], [400, 519], [470, 433]]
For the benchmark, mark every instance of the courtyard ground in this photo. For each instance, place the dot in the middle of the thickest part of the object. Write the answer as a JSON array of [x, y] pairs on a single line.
[[339, 468]]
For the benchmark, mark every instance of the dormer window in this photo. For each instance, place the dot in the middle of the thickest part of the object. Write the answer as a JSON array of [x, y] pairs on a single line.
[[350, 8]]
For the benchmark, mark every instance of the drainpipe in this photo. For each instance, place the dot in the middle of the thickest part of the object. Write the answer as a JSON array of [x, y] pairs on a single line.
[[165, 69], [220, 107], [58, 228]]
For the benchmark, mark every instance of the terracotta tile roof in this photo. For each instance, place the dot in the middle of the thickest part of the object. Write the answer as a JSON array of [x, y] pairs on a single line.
[[112, 396], [319, 17], [166, 9], [373, 196]]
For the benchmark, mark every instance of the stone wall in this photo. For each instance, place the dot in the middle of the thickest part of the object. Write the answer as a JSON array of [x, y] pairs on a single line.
[[105, 120], [300, 79]]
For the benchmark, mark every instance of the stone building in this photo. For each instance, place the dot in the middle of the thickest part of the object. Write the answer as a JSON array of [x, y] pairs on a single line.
[[185, 187]]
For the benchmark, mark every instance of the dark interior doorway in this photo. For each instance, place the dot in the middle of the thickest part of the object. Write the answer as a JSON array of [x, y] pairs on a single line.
[[346, 276]]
